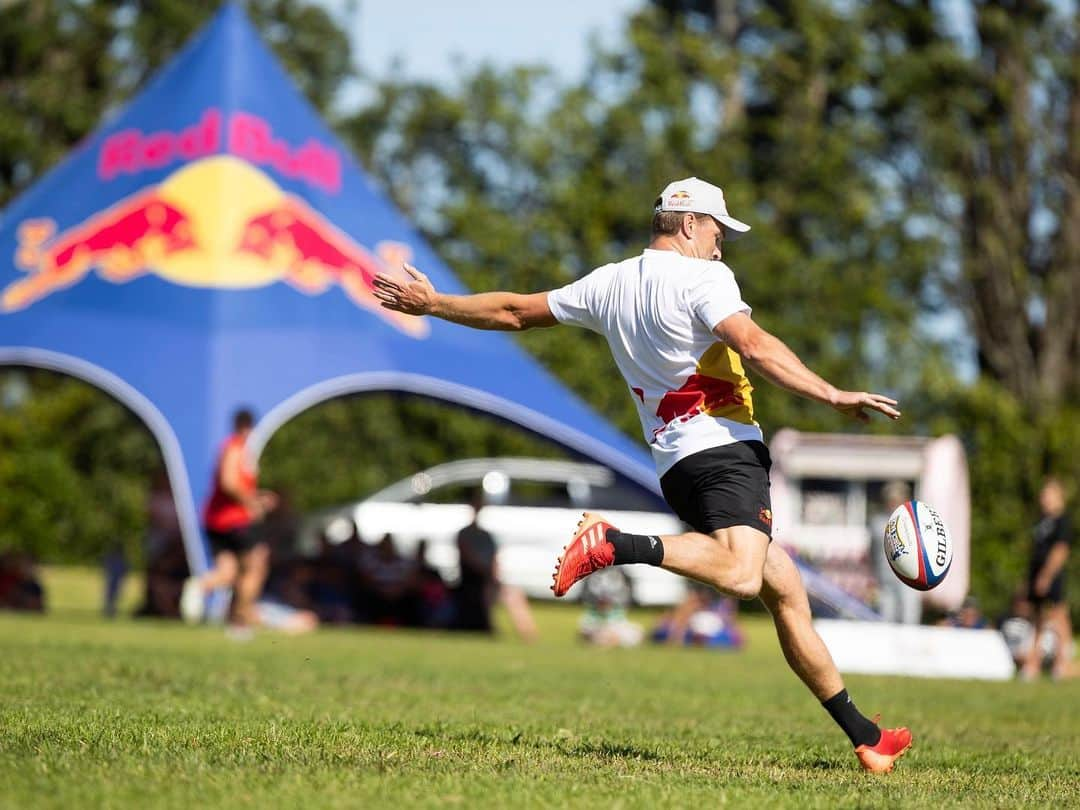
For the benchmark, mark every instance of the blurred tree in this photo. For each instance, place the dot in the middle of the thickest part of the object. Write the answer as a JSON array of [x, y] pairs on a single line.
[[982, 113], [66, 64], [74, 466]]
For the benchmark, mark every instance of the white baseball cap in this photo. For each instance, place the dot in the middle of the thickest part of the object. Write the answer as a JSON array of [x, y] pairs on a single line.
[[698, 197]]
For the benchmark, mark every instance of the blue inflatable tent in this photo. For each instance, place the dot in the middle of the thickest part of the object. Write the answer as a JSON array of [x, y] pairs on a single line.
[[213, 246]]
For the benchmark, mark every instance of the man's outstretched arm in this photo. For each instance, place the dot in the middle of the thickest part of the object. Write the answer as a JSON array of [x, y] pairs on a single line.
[[771, 357], [492, 310]]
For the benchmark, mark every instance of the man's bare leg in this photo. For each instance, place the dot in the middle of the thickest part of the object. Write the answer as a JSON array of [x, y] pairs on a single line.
[[740, 561], [254, 566], [195, 589], [517, 607], [223, 574], [1058, 618], [731, 560], [784, 596], [729, 563], [1033, 663]]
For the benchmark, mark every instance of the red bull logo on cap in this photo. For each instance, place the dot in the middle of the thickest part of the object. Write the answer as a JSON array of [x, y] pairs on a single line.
[[186, 231]]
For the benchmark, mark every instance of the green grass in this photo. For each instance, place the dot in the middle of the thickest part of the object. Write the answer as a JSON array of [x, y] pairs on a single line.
[[125, 714]]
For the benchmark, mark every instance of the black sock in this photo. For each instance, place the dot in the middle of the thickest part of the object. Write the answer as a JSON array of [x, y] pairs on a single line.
[[636, 548], [859, 729]]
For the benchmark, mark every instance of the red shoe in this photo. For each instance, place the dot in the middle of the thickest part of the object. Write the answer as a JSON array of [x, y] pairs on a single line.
[[880, 758], [589, 551]]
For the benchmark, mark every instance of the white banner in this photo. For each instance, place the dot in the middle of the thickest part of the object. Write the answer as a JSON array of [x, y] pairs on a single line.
[[878, 648]]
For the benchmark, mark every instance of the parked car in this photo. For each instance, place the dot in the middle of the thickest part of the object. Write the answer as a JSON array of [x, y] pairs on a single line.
[[531, 509]]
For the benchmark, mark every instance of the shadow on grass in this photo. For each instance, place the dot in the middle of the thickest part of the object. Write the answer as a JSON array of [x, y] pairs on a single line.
[[566, 745], [608, 750]]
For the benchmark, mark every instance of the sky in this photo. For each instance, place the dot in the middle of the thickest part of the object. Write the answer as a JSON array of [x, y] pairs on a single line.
[[427, 35]]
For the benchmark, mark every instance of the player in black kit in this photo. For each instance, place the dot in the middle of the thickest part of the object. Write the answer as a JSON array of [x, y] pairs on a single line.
[[1046, 579]]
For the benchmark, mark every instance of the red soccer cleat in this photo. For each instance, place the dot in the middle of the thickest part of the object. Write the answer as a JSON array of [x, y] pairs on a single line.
[[880, 758], [589, 551]]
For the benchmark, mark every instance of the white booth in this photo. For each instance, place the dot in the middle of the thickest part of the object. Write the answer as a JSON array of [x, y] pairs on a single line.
[[827, 502]]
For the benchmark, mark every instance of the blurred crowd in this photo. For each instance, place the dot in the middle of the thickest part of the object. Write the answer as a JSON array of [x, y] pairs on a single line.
[[354, 582], [345, 580]]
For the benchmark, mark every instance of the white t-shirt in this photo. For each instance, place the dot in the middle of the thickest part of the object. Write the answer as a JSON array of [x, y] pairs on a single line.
[[657, 311]]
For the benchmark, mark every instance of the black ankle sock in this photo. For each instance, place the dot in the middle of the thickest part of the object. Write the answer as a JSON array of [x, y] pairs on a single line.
[[636, 548], [859, 729]]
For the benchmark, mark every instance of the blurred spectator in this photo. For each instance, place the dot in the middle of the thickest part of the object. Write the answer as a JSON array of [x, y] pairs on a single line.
[[301, 593], [1017, 628], [1051, 539], [289, 581], [606, 596], [435, 603], [479, 583], [20, 583], [333, 577], [233, 521], [163, 524], [165, 575], [115, 569], [968, 616], [705, 618], [896, 601], [166, 559], [386, 577]]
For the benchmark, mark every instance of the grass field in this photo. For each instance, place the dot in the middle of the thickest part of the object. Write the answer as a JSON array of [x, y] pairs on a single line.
[[125, 714]]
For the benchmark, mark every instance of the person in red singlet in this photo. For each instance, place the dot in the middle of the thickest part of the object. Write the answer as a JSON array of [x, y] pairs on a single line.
[[233, 522]]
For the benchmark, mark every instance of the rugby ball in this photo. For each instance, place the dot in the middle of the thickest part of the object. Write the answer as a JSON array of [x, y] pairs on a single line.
[[917, 545]]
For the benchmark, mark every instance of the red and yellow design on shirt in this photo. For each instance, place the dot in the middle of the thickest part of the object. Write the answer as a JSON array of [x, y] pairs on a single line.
[[718, 388], [713, 407]]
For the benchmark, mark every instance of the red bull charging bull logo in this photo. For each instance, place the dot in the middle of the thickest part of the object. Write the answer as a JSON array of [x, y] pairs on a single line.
[[218, 221], [679, 199]]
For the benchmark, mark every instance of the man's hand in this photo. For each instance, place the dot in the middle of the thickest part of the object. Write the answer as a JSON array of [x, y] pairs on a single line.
[[414, 297], [855, 403]]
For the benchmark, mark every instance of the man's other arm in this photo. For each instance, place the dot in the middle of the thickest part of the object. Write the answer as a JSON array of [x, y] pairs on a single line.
[[770, 357], [505, 311]]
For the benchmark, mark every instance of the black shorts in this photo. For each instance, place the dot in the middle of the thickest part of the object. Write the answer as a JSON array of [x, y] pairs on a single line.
[[722, 487], [238, 541]]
